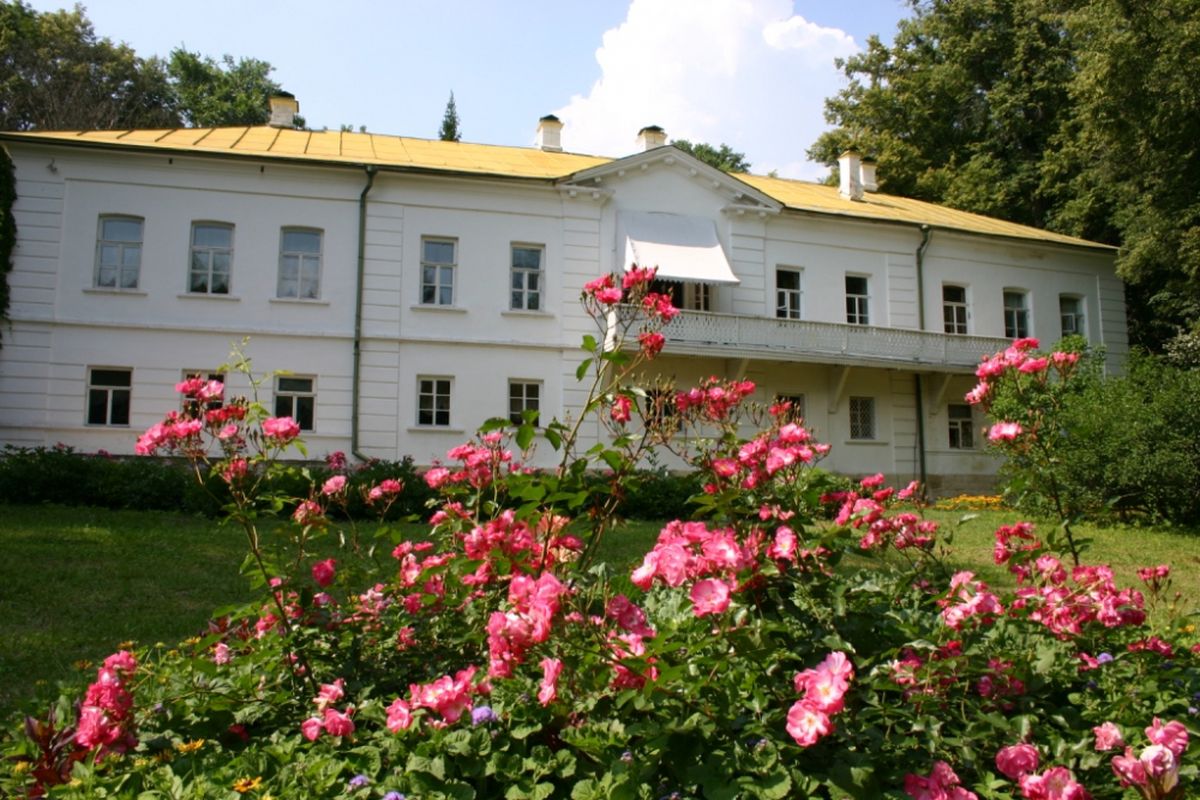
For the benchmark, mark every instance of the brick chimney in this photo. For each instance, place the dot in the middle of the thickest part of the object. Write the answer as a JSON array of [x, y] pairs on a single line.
[[549, 133], [284, 108], [651, 137]]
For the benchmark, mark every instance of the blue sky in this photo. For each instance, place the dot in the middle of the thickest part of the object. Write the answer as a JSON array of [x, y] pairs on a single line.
[[749, 73]]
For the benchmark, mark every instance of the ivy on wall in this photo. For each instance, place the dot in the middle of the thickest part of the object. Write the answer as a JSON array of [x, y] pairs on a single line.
[[8, 233]]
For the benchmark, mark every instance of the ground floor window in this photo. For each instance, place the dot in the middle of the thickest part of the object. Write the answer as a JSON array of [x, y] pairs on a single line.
[[433, 402], [296, 398], [795, 411], [523, 396], [962, 431], [108, 394], [862, 417]]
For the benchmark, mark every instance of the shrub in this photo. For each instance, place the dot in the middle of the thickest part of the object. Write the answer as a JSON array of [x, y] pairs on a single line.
[[744, 657]]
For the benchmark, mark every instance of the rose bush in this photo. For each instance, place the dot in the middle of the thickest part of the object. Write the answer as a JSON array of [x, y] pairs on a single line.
[[795, 638]]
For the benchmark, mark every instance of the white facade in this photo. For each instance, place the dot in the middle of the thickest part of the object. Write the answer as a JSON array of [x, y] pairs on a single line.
[[72, 336]]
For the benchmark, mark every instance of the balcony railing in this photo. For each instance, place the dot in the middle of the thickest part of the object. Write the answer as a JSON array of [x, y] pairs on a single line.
[[734, 336]]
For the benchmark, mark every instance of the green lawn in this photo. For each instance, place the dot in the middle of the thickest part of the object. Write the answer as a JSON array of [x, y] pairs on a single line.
[[75, 582]]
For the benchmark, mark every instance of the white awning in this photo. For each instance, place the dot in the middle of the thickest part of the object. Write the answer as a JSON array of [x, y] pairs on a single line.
[[684, 248]]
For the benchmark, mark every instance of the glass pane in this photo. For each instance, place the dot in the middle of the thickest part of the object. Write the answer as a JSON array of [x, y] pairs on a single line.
[[534, 281], [220, 284], [288, 287], [120, 407], [518, 300], [220, 263], [532, 303], [283, 406], [131, 256], [856, 285], [786, 279], [97, 407], [199, 282], [954, 294], [106, 277], [295, 384], [527, 257], [445, 296], [212, 236], [304, 412], [109, 255], [129, 278], [302, 241], [121, 230], [443, 388], [111, 377], [438, 252], [289, 267], [310, 269], [518, 280]]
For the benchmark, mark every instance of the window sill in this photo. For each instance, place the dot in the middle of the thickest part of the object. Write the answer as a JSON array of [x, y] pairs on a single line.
[[126, 292], [298, 301], [435, 429], [513, 312], [876, 442], [208, 296], [438, 309]]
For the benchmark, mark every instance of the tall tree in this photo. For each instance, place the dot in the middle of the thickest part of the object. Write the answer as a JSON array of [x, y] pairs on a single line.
[[1078, 117], [449, 131], [56, 73], [214, 93], [724, 157]]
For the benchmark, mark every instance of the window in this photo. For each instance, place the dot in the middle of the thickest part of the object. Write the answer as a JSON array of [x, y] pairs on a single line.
[[796, 402], [687, 296], [523, 396], [1016, 315], [862, 417], [300, 264], [1070, 311], [962, 430], [954, 308], [295, 398], [437, 271], [190, 404], [526, 278], [108, 394], [857, 303], [787, 293], [212, 254], [118, 253], [433, 401]]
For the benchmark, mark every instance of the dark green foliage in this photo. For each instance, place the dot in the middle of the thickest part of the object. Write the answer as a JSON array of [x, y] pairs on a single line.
[[450, 132], [213, 93], [724, 158], [660, 494]]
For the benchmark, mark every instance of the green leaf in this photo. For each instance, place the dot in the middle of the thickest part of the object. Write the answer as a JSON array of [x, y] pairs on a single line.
[[582, 369], [525, 435], [589, 343]]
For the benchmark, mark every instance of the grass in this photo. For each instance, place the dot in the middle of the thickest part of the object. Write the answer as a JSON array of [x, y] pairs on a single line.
[[75, 582]]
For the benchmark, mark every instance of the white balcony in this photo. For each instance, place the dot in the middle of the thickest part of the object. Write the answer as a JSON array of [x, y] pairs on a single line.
[[703, 333]]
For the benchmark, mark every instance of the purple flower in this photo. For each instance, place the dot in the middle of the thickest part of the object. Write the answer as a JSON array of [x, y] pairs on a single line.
[[394, 796], [482, 714], [359, 781], [1104, 658]]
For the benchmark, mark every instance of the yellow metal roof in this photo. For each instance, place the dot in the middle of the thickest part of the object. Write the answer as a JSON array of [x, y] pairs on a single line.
[[353, 148]]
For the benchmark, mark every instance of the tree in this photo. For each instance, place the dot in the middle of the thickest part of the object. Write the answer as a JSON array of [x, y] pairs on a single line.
[[724, 158], [1077, 117], [214, 93], [56, 74], [449, 131]]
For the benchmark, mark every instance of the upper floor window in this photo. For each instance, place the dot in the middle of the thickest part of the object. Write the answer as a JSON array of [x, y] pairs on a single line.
[[118, 252], [438, 260], [300, 264], [1016, 314], [211, 258], [954, 308], [688, 296], [962, 430], [788, 293], [857, 300], [433, 402], [1070, 311], [108, 395], [523, 396], [296, 398], [526, 278], [862, 417]]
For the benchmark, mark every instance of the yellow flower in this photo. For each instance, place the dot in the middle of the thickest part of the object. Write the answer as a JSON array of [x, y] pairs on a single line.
[[126, 645], [21, 767], [189, 747], [243, 785], [192, 640], [83, 664]]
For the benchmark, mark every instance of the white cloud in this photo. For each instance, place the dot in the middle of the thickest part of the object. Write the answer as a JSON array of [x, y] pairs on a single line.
[[748, 73]]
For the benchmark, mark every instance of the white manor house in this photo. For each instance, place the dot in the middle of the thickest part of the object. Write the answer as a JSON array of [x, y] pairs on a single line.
[[415, 288]]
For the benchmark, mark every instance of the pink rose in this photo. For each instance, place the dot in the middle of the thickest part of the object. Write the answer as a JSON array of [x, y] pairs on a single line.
[[806, 724], [1108, 737], [280, 429], [323, 572], [551, 667], [1016, 760], [338, 723], [221, 655], [334, 485], [1173, 736], [1005, 431], [709, 596], [399, 716], [311, 728]]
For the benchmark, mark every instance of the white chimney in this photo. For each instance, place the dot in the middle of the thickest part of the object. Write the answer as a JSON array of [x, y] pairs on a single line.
[[549, 133], [651, 137], [850, 185], [284, 108], [867, 171]]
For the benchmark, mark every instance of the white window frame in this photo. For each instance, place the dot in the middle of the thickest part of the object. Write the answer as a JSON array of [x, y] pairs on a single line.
[[121, 280], [520, 399], [858, 305], [799, 405], [309, 289], [960, 425], [863, 420], [209, 253], [1017, 318], [111, 393], [438, 278], [955, 313], [527, 286], [1077, 317], [431, 388], [297, 398], [789, 302]]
